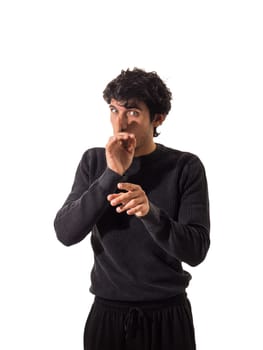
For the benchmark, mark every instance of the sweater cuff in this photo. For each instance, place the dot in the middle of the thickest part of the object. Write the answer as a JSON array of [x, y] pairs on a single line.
[[152, 219], [109, 180]]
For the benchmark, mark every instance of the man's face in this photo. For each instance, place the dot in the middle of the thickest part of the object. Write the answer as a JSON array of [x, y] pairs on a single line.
[[133, 117]]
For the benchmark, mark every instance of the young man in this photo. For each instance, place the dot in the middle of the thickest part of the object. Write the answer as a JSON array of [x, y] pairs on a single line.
[[148, 209]]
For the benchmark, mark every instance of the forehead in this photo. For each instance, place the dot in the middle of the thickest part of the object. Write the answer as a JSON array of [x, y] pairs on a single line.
[[128, 104]]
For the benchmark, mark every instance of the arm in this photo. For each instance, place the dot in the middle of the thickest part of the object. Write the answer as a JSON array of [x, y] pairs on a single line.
[[187, 239], [85, 204]]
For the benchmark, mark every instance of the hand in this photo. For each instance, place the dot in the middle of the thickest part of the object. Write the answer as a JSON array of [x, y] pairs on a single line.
[[120, 152], [134, 201]]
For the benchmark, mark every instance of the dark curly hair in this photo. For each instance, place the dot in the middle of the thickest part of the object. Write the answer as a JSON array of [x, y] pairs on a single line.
[[143, 86]]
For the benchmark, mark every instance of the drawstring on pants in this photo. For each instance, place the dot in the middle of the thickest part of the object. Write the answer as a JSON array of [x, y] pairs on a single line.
[[132, 322]]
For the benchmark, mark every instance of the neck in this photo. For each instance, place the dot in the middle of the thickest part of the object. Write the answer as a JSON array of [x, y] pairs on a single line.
[[143, 151]]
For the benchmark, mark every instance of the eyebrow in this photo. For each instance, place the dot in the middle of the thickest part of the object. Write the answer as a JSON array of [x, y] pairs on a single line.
[[127, 105]]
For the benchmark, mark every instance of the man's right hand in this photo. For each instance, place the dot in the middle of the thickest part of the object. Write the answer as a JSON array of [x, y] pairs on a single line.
[[120, 152]]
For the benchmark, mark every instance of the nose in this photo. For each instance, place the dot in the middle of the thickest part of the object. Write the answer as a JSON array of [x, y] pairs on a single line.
[[122, 121]]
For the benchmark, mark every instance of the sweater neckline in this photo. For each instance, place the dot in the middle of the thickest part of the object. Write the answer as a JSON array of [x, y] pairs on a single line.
[[149, 156]]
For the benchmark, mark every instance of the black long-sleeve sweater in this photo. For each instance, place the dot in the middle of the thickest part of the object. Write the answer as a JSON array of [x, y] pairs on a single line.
[[139, 258]]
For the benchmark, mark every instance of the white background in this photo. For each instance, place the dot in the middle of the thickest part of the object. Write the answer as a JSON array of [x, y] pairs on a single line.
[[56, 58]]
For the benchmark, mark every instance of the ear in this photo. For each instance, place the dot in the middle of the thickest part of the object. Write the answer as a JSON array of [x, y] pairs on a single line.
[[158, 119]]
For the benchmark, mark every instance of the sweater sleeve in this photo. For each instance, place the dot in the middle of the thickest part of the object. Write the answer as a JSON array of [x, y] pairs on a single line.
[[85, 203], [187, 238]]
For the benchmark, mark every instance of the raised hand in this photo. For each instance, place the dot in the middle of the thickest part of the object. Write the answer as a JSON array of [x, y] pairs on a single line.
[[120, 151]]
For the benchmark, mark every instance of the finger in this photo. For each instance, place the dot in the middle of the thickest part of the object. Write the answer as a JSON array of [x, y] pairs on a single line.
[[123, 198], [127, 141], [128, 186], [125, 136], [112, 196], [113, 140], [129, 205], [132, 145], [118, 126], [138, 210], [110, 141]]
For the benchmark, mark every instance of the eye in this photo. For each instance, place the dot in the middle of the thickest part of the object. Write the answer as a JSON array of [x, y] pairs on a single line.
[[133, 113], [113, 110]]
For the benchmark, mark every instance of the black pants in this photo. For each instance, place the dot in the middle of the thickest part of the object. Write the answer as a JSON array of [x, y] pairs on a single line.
[[159, 325]]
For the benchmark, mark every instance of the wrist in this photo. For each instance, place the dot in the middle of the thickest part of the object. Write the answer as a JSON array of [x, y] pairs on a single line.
[[116, 170]]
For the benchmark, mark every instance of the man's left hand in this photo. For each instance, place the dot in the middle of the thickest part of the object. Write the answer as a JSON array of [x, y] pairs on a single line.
[[134, 201]]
